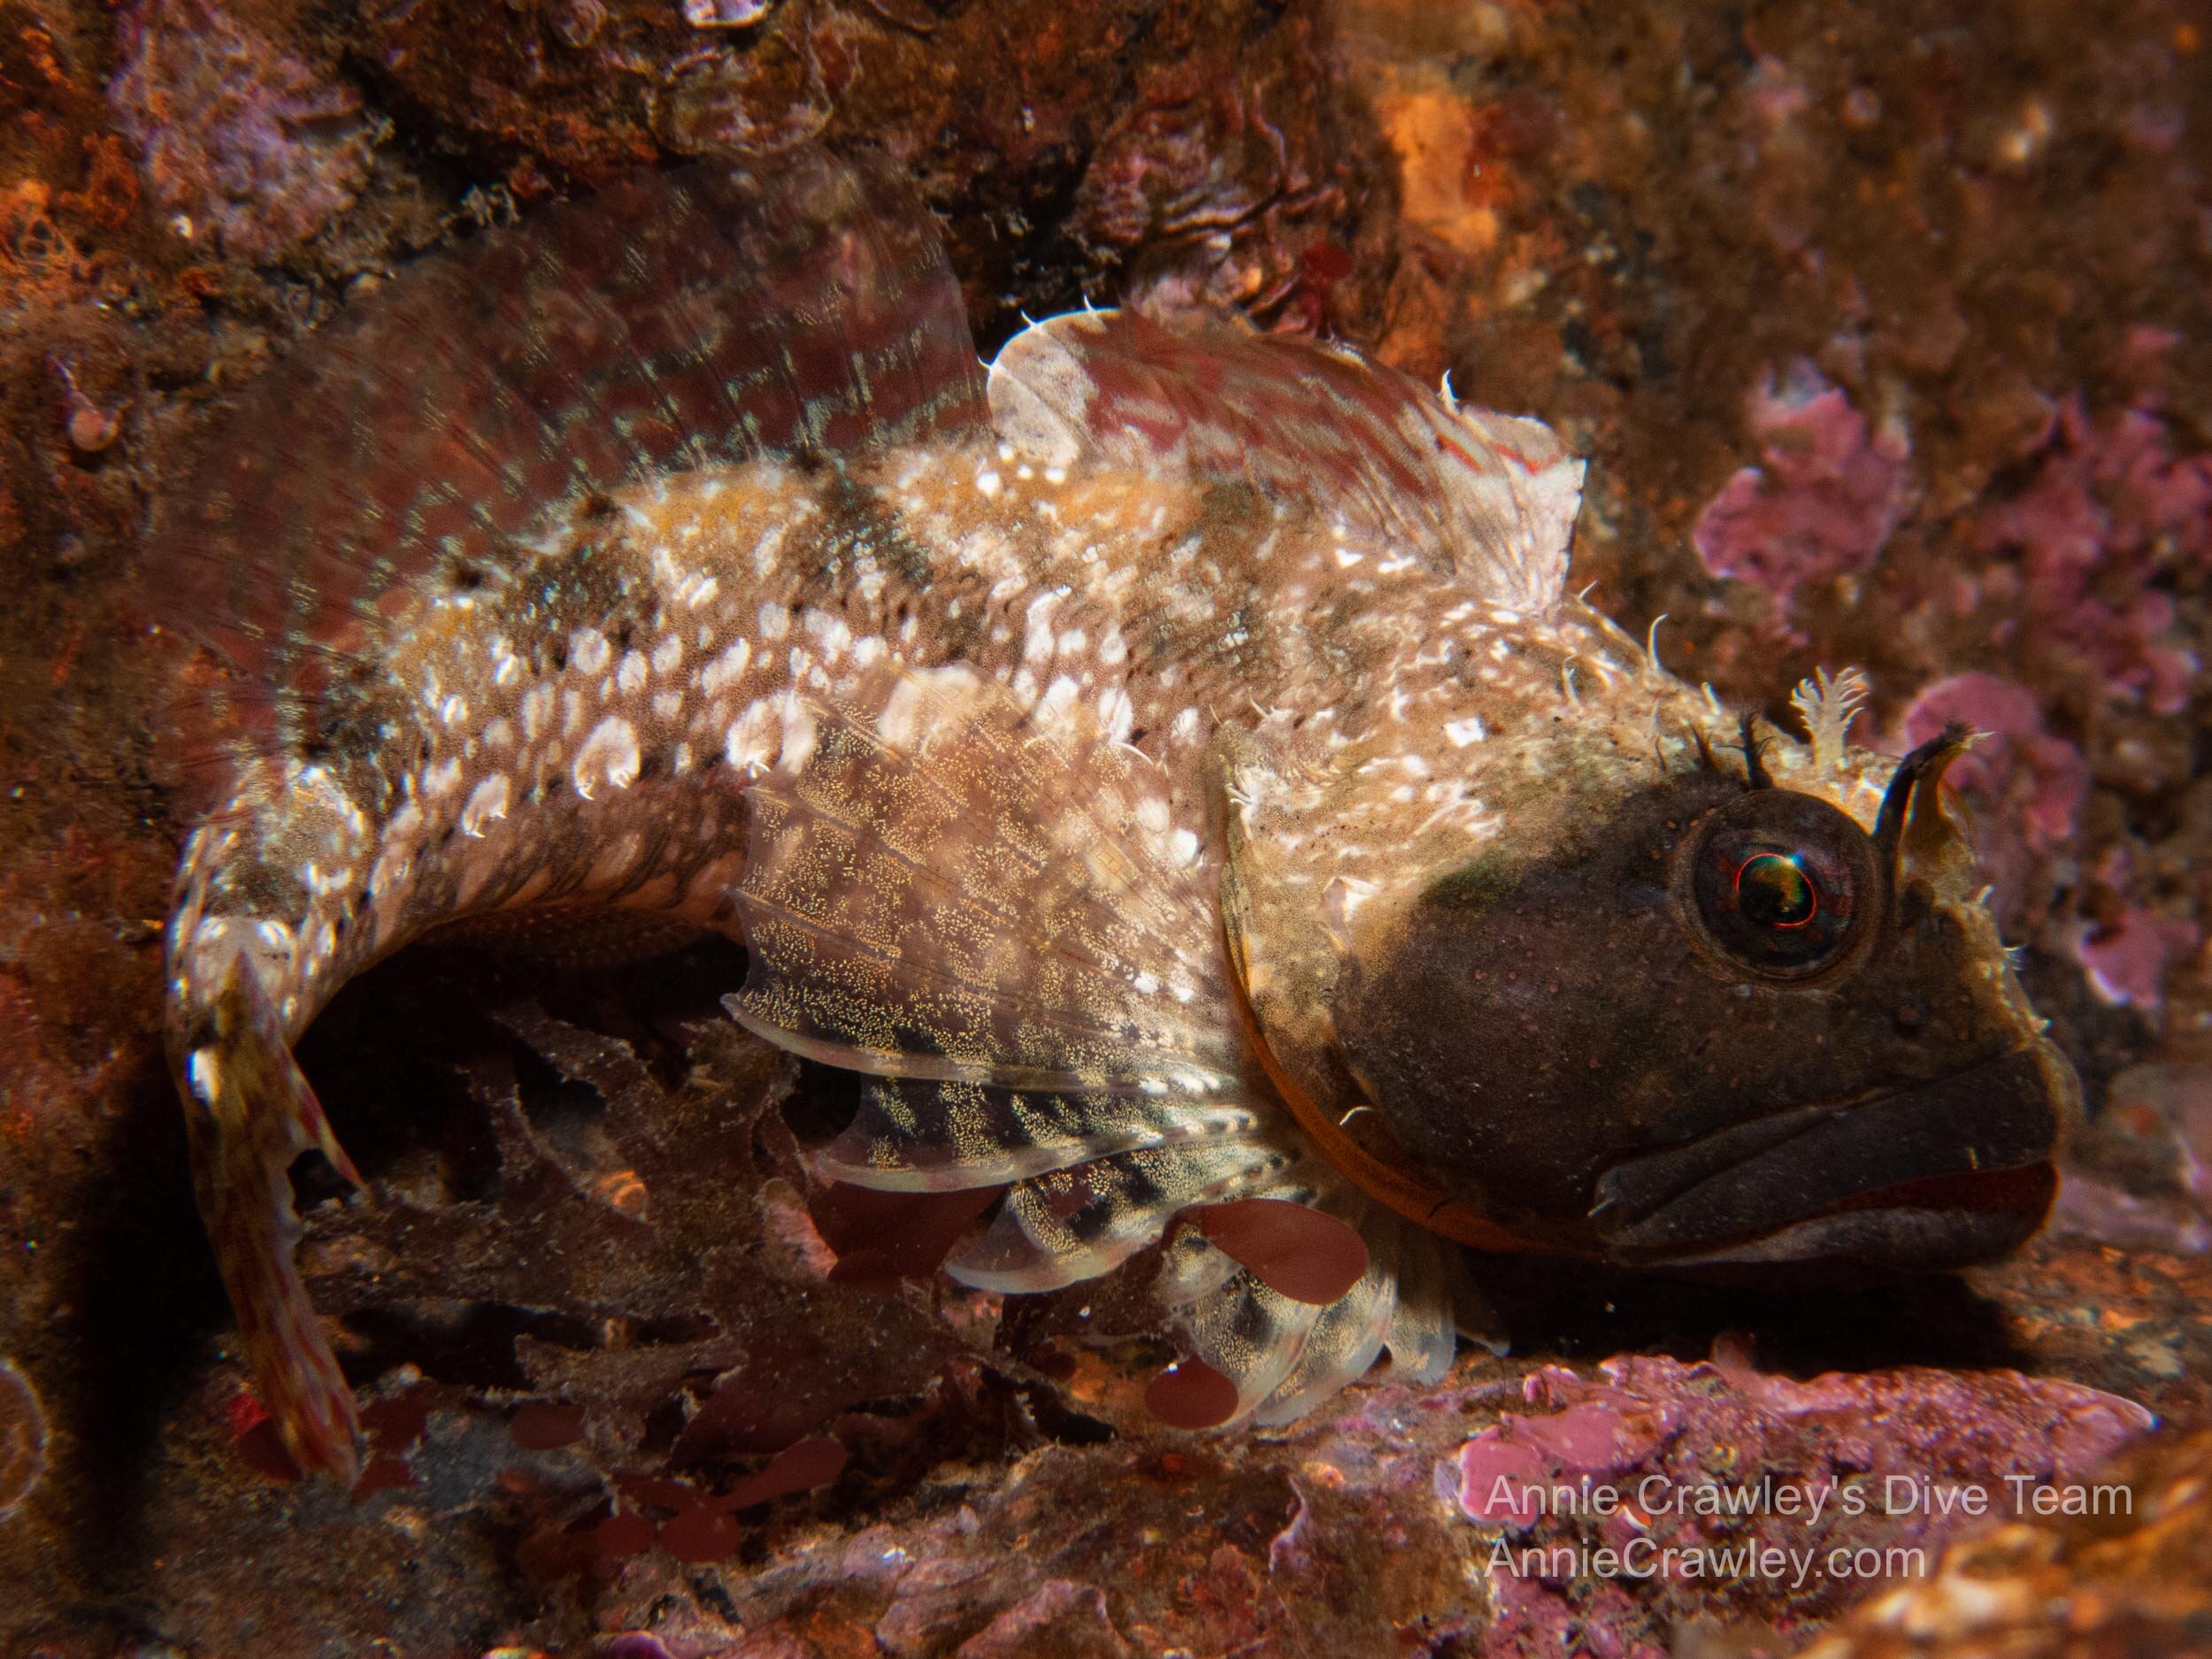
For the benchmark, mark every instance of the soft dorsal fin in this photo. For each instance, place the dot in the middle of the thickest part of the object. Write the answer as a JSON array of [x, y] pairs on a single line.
[[716, 313], [1491, 497]]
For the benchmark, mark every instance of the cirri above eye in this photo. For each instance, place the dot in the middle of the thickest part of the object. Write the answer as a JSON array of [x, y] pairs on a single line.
[[1780, 883]]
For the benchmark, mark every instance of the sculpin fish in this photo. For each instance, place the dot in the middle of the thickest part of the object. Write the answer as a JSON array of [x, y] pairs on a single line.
[[1168, 765]]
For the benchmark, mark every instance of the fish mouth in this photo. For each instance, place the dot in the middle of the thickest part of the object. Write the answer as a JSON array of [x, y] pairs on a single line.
[[1935, 1176]]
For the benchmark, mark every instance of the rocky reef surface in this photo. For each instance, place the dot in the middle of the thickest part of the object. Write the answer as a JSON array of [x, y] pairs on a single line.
[[1886, 331]]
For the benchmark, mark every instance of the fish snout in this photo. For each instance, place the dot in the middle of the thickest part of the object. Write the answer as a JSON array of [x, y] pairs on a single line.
[[1930, 1175]]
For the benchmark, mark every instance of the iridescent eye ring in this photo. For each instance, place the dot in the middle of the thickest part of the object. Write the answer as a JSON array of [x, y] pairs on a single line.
[[1779, 885], [1779, 892]]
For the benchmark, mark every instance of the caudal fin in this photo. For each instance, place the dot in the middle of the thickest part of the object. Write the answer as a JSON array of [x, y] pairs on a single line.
[[251, 1113]]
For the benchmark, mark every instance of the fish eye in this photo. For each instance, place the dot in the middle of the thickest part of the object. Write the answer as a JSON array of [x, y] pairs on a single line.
[[1773, 891], [1778, 882]]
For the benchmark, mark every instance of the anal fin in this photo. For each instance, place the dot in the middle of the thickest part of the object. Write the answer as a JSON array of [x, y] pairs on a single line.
[[250, 1112]]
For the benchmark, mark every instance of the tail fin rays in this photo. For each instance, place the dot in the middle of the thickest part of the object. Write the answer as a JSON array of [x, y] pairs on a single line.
[[250, 1112]]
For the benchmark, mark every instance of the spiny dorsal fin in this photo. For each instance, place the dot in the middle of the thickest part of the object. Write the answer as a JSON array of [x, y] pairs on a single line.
[[716, 313], [1491, 497]]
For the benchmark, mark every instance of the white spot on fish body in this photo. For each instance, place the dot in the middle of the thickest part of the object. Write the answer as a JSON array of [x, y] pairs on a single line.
[[774, 621], [799, 734], [726, 668], [1038, 641], [588, 652], [766, 549], [1462, 733], [537, 708], [832, 630], [1059, 697], [440, 778], [667, 655], [633, 674]]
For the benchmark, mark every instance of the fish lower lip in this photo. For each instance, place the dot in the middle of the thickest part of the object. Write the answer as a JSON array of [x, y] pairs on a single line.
[[1940, 1175]]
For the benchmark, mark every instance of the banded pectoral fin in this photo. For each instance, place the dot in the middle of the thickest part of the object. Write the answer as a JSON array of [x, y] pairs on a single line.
[[960, 897], [1270, 1335], [250, 1112]]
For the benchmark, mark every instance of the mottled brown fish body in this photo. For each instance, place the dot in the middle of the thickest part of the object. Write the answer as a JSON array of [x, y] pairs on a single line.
[[1174, 776]]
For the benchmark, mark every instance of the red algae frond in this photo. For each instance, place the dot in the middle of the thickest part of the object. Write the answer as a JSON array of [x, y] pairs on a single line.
[[1824, 499], [235, 130]]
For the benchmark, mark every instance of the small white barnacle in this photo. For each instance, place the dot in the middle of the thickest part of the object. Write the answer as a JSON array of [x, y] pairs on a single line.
[[486, 805], [749, 744], [609, 756]]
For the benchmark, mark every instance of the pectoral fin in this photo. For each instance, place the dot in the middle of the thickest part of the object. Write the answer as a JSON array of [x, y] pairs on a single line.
[[956, 895]]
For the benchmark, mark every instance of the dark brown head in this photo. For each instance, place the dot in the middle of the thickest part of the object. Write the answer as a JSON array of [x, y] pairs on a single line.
[[1714, 1022]]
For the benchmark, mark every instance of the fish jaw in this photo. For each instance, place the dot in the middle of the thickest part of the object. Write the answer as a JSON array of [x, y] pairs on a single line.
[[1942, 1175]]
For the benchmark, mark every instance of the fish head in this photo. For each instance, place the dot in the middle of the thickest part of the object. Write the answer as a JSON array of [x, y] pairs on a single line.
[[1696, 1017]]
